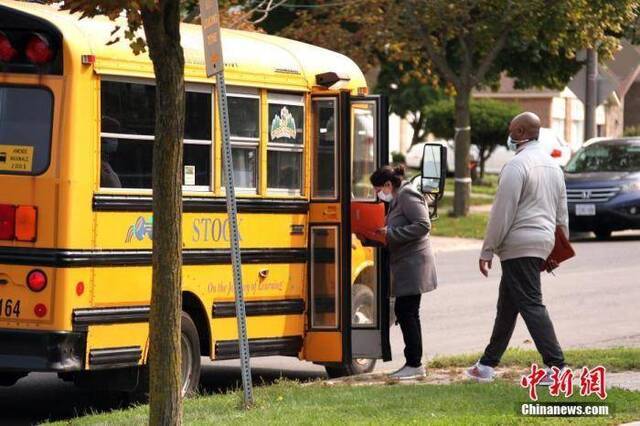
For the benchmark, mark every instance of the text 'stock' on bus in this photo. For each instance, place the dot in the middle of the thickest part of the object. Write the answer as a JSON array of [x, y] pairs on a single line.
[[76, 227]]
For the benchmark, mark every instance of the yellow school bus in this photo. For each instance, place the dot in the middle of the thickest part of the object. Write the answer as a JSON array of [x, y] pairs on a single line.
[[76, 138]]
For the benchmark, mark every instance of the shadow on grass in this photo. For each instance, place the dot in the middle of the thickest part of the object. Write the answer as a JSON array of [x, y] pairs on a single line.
[[43, 397], [222, 379]]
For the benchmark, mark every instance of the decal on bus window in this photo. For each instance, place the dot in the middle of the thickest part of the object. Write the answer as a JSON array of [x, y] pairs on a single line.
[[140, 229], [283, 125], [16, 158]]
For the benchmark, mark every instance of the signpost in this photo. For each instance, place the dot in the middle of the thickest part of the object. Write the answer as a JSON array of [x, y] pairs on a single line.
[[215, 67]]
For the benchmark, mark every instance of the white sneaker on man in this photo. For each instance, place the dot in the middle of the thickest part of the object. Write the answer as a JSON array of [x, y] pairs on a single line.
[[547, 380], [481, 373], [409, 373]]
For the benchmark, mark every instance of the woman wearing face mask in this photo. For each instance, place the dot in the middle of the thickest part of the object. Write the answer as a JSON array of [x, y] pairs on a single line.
[[411, 259]]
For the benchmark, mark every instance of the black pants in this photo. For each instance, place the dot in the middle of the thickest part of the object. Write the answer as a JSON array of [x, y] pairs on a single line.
[[520, 293], [407, 309]]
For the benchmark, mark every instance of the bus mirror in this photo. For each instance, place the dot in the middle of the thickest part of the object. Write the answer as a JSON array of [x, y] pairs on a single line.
[[434, 169]]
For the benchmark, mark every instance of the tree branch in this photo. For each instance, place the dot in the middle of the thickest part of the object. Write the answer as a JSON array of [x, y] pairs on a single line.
[[438, 59], [486, 63], [467, 60]]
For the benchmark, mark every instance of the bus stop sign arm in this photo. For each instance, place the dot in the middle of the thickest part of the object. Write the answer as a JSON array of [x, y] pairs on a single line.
[[215, 66]]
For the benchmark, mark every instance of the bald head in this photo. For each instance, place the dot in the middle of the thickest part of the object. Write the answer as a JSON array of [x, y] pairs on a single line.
[[524, 126]]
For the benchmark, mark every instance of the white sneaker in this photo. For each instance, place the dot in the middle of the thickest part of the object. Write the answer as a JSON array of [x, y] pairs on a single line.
[[481, 373], [547, 380], [409, 373]]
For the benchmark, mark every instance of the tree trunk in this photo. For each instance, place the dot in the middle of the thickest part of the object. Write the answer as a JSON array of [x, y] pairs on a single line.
[[416, 125], [462, 144], [162, 29], [484, 156]]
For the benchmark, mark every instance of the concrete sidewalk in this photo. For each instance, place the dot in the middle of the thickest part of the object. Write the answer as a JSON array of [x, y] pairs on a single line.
[[629, 380]]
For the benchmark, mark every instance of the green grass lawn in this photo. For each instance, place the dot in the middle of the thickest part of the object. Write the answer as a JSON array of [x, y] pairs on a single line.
[[489, 185], [615, 359], [456, 404], [470, 226]]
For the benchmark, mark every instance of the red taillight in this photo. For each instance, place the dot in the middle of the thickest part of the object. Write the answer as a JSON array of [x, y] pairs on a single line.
[[80, 288], [40, 310], [7, 52], [7, 221], [18, 222], [556, 153], [38, 49], [36, 280]]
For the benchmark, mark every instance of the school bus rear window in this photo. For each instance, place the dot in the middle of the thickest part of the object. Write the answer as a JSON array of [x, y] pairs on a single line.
[[26, 115]]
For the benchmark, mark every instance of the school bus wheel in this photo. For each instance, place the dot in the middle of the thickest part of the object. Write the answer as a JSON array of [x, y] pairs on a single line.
[[363, 311], [190, 344]]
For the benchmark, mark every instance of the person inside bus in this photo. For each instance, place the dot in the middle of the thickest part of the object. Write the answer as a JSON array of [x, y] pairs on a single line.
[[109, 146], [412, 262]]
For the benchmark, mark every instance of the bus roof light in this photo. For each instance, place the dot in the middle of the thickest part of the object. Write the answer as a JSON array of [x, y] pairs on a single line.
[[7, 221], [38, 49], [36, 280], [26, 223], [7, 52], [88, 59]]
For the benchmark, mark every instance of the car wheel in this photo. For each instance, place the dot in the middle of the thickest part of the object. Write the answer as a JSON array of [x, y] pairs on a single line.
[[603, 234], [190, 344]]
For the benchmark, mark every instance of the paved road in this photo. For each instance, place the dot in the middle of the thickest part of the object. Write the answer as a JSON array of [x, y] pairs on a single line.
[[593, 301]]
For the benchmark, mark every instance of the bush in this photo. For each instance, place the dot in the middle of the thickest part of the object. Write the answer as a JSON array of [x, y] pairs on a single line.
[[397, 157], [632, 131], [489, 123]]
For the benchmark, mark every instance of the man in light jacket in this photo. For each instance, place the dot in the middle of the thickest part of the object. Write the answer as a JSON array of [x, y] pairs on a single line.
[[530, 203]]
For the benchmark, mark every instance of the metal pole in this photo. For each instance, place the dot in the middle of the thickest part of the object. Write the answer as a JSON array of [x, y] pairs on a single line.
[[591, 95], [232, 211]]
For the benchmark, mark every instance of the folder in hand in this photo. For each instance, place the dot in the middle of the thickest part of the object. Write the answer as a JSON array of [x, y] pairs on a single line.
[[562, 250], [367, 219]]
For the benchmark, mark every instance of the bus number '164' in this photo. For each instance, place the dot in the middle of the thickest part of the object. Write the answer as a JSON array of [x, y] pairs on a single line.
[[207, 229], [9, 308]]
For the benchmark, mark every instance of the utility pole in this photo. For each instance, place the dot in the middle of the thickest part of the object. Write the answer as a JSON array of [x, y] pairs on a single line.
[[591, 95]]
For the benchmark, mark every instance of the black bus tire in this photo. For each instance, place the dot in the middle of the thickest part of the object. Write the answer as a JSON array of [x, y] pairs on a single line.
[[190, 345]]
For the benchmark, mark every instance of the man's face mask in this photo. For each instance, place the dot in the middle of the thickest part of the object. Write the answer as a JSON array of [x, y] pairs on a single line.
[[512, 144]]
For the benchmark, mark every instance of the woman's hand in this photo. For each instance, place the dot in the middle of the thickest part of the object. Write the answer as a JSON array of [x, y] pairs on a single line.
[[382, 232]]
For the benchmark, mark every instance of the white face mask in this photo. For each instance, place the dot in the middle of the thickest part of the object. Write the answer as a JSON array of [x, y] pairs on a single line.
[[385, 197], [512, 144]]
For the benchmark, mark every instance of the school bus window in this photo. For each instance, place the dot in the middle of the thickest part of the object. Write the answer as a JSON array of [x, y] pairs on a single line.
[[127, 134], [26, 114], [363, 154], [244, 124], [324, 151], [197, 141], [286, 143]]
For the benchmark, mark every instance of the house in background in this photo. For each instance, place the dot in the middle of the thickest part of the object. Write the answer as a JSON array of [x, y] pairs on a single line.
[[562, 110]]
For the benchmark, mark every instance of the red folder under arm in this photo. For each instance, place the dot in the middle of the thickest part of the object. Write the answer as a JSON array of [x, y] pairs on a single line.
[[562, 249], [366, 219]]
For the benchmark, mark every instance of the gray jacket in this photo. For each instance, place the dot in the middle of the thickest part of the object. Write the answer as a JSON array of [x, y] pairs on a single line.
[[531, 201], [413, 269]]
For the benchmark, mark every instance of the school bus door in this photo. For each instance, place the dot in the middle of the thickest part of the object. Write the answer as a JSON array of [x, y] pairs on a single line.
[[335, 331]]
